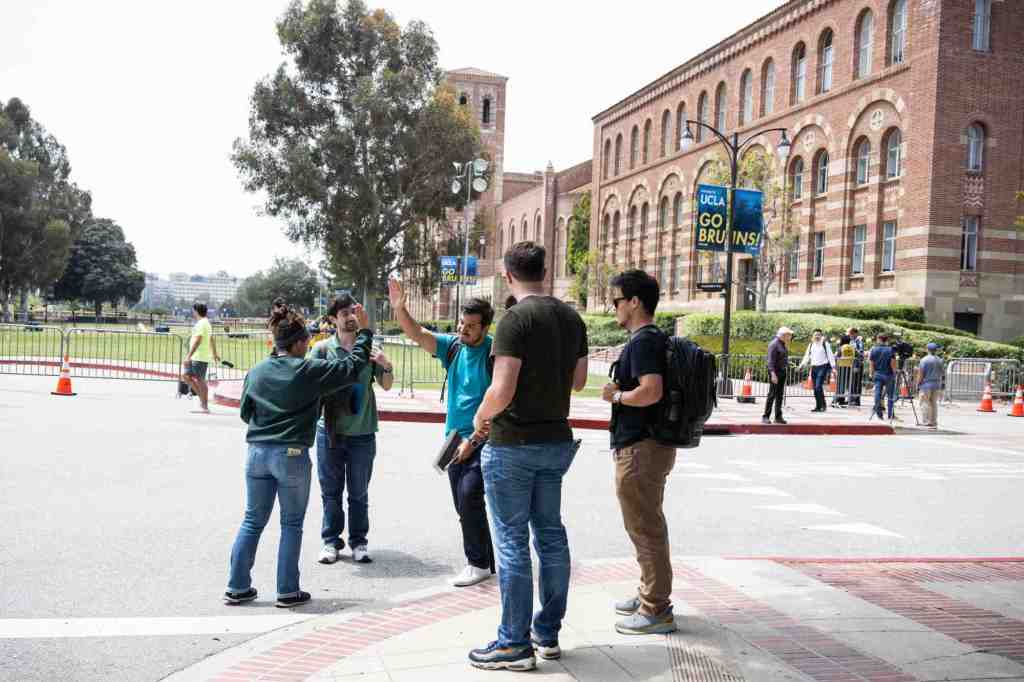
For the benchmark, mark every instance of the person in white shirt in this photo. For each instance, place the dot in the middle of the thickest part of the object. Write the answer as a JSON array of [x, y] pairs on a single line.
[[822, 361]]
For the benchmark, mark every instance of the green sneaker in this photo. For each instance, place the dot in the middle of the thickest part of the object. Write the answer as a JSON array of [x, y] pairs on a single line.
[[642, 624]]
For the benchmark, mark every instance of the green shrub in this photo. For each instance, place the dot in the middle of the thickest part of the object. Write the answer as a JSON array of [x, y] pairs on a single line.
[[762, 327], [910, 313], [1019, 342]]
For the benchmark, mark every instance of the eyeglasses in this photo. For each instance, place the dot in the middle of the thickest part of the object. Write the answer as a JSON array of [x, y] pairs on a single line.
[[617, 301]]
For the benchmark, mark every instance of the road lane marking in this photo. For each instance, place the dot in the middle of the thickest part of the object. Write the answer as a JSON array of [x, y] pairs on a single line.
[[719, 477], [753, 490], [957, 444], [50, 628], [801, 508], [856, 528]]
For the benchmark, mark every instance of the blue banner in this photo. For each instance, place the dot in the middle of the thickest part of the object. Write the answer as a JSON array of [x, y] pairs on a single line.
[[712, 209], [451, 270], [748, 225]]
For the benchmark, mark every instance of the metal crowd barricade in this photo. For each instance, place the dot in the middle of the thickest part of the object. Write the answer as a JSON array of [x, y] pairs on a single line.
[[117, 354], [242, 349], [31, 349]]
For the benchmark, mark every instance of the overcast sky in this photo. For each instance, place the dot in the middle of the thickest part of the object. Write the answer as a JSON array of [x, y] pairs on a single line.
[[148, 96]]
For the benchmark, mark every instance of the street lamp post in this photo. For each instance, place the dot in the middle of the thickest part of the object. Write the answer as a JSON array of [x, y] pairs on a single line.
[[470, 172], [733, 147]]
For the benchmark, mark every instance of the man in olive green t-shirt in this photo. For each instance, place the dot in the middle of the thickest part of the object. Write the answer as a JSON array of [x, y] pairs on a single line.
[[346, 439], [201, 352]]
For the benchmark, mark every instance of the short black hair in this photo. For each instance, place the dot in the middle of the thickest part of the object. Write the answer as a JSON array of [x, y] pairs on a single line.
[[818, 331], [638, 283], [525, 261], [343, 301], [481, 307], [200, 308], [882, 338]]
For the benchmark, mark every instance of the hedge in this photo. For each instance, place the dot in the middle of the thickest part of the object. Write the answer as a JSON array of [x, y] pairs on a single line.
[[933, 328], [762, 326], [910, 313], [603, 330]]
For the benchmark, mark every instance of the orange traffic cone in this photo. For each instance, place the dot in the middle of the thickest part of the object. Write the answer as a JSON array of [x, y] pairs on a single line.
[[747, 391], [986, 399], [808, 385], [64, 382], [832, 382], [1018, 403]]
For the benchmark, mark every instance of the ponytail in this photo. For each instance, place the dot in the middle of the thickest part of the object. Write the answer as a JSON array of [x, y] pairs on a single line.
[[287, 325]]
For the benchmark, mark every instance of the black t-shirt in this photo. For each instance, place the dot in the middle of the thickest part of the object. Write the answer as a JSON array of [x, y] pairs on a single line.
[[644, 354], [550, 338]]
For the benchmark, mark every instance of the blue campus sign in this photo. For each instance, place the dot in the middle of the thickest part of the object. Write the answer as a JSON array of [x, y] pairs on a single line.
[[712, 214], [451, 270]]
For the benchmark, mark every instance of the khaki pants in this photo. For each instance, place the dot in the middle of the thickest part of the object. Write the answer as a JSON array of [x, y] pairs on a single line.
[[930, 407], [640, 474]]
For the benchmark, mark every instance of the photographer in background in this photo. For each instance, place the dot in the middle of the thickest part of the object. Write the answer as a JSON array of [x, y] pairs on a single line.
[[883, 366], [903, 351], [929, 383]]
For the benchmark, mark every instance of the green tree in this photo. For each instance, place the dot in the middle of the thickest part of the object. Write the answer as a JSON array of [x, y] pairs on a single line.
[[578, 247], [41, 210], [101, 268], [756, 172], [353, 139], [593, 277], [291, 279]]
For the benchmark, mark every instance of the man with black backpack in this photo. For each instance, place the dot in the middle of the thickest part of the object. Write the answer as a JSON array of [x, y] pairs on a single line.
[[642, 463], [469, 364]]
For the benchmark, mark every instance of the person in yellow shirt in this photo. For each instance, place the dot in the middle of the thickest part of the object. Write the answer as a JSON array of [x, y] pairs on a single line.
[[202, 350]]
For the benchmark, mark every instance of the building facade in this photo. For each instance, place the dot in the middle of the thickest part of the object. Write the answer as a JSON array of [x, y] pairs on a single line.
[[906, 119], [211, 289]]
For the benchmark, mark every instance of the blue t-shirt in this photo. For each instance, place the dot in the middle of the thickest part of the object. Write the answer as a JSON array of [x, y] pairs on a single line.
[[931, 373], [468, 380], [881, 357]]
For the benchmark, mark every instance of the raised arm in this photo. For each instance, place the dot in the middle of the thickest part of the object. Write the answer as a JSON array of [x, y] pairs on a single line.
[[335, 374], [410, 327]]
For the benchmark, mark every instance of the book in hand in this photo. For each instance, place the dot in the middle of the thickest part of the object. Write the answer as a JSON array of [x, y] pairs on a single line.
[[448, 450]]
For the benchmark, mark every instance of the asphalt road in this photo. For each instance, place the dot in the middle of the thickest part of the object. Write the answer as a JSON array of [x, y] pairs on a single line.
[[120, 506]]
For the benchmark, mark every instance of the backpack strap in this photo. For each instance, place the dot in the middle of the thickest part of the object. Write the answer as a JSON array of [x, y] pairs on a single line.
[[453, 352]]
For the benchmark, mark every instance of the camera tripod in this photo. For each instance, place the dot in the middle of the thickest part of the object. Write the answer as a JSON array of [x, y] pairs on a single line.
[[901, 384]]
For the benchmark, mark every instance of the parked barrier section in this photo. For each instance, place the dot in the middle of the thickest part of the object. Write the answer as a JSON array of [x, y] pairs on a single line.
[[113, 354], [30, 349]]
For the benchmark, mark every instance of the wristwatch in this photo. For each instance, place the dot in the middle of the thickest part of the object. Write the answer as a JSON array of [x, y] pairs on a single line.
[[617, 398]]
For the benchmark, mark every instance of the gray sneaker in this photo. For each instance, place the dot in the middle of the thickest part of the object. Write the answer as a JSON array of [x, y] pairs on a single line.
[[627, 607], [642, 624]]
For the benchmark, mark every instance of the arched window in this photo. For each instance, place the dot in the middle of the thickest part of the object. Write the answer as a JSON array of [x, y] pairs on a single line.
[[796, 178], [647, 140], [634, 147], [746, 97], [825, 61], [536, 231], [863, 161], [607, 158], [893, 154], [663, 213], [821, 173], [982, 25], [644, 210], [556, 248], [604, 229], [501, 242], [865, 43], [523, 228], [630, 223], [720, 107], [677, 209], [487, 111], [975, 147], [702, 115], [897, 31], [463, 99], [680, 124], [798, 86], [666, 131], [768, 87], [615, 235], [618, 154]]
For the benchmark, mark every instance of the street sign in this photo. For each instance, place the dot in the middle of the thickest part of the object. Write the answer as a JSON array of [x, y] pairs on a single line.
[[748, 225], [711, 286], [712, 210]]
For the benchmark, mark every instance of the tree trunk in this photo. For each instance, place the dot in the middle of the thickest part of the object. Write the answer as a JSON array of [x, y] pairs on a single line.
[[5, 299], [99, 311]]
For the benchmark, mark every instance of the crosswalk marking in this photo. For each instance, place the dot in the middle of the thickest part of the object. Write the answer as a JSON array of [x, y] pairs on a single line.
[[856, 528], [753, 490], [801, 508], [49, 628]]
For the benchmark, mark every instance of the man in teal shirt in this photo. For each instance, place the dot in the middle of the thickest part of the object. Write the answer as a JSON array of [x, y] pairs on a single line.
[[346, 439], [467, 359]]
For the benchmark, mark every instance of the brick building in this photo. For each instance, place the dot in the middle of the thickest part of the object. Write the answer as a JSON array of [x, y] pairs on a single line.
[[907, 124]]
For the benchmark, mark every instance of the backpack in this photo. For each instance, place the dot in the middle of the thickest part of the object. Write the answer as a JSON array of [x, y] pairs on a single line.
[[689, 393], [453, 351]]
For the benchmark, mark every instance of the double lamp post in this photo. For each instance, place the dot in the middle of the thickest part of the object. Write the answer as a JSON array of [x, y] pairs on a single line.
[[734, 147], [472, 173]]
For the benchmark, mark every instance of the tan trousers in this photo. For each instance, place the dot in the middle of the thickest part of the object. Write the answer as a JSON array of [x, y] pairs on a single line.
[[930, 407], [641, 471]]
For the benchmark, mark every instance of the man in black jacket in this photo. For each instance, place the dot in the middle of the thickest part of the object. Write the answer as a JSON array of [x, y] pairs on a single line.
[[778, 365]]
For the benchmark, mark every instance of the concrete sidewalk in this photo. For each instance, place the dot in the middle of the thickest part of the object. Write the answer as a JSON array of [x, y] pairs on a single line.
[[739, 619]]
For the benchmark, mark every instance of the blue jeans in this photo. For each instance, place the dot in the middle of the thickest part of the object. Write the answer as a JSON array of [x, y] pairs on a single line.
[[281, 472], [523, 484], [889, 384], [349, 462], [819, 375]]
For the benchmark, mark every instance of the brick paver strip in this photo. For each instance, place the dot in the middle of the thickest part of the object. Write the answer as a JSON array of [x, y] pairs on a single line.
[[896, 588]]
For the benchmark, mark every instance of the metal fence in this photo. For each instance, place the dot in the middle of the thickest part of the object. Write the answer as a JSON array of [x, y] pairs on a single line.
[[31, 349], [116, 354]]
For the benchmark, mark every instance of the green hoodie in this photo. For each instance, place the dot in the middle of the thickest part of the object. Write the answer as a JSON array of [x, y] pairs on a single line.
[[281, 395]]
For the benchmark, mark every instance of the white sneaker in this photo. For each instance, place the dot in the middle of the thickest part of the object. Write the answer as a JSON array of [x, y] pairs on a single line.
[[328, 555], [471, 575], [361, 555]]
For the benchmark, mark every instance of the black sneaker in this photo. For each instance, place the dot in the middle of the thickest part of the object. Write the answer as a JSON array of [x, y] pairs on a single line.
[[232, 598], [297, 600], [780, 420], [493, 657]]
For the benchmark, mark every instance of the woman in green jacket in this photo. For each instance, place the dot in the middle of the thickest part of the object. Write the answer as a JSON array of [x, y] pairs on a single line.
[[280, 403]]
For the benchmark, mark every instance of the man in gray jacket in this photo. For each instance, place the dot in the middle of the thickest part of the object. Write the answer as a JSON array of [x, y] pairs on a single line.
[[778, 365]]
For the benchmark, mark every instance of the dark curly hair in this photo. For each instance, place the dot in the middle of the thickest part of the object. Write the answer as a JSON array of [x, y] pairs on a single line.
[[288, 327]]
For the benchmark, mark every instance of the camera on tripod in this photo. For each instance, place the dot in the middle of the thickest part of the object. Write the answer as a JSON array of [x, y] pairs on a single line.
[[903, 350]]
